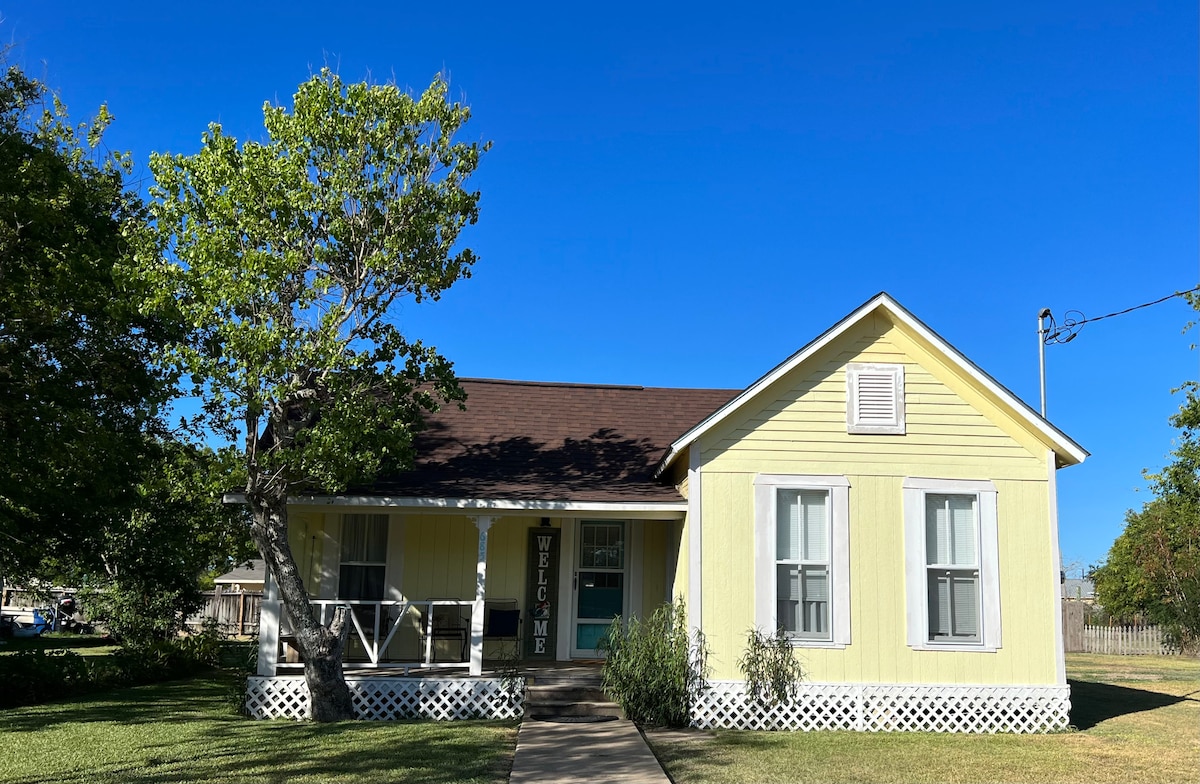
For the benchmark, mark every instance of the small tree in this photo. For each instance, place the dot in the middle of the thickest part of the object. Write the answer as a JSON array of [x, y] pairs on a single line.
[[284, 257], [773, 673], [150, 563], [1153, 568], [654, 668]]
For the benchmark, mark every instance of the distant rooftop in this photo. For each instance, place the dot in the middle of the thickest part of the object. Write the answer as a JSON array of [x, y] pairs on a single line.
[[253, 572]]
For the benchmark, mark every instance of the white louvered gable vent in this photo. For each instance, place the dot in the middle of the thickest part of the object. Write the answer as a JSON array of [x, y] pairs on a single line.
[[874, 398]]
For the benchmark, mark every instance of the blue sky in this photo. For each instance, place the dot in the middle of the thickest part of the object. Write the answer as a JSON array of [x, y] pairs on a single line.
[[683, 196]]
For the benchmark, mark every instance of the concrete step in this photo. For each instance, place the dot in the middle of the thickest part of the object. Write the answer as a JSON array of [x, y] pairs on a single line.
[[566, 692], [548, 711]]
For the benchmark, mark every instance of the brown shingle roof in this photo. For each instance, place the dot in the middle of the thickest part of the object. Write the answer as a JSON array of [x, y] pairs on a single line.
[[534, 441]]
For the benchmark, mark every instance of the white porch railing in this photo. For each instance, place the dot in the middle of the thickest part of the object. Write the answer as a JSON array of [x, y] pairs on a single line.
[[386, 619]]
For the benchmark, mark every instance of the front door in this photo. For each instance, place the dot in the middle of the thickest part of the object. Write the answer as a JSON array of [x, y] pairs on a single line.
[[600, 583]]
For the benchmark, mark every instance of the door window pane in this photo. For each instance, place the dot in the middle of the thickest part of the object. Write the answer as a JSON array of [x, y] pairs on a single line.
[[602, 546]]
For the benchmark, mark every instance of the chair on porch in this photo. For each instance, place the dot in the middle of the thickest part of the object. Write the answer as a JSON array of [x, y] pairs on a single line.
[[449, 623], [502, 622]]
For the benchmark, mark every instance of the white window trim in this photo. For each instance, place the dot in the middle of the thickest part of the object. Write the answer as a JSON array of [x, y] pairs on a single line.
[[897, 425], [766, 487], [916, 578]]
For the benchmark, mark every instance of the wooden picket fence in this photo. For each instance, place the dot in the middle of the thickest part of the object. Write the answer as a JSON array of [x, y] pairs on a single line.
[[1126, 640], [236, 612]]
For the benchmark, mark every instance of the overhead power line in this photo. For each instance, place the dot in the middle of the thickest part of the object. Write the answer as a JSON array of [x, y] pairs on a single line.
[[1065, 332]]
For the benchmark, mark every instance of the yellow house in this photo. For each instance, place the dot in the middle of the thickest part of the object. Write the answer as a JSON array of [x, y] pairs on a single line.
[[876, 496]]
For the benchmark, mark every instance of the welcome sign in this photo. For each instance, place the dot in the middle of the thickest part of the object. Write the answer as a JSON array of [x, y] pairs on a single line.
[[542, 599]]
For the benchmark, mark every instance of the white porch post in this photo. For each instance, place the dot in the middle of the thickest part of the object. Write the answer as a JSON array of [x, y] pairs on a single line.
[[268, 627], [483, 524]]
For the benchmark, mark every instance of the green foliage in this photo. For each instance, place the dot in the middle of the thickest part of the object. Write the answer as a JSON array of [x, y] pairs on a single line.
[[654, 668], [179, 531], [37, 675], [773, 673], [1153, 568], [285, 257], [78, 387]]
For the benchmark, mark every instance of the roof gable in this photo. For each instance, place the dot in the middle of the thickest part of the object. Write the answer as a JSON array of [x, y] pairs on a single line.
[[1067, 451]]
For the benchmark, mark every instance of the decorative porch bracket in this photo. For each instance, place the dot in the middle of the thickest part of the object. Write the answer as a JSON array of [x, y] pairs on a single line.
[[483, 524]]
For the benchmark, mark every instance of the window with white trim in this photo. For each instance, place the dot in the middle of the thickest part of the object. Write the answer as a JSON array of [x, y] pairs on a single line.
[[951, 558], [363, 563], [802, 562], [875, 398], [952, 567], [802, 573]]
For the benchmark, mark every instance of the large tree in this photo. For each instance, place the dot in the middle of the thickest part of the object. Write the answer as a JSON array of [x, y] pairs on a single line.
[[285, 256], [77, 384], [1153, 568]]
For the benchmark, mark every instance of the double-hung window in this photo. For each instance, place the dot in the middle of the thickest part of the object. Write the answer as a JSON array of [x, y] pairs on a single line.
[[802, 562], [951, 573], [802, 581], [952, 566]]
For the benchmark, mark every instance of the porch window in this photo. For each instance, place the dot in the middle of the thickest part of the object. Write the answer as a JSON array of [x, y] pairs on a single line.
[[364, 557]]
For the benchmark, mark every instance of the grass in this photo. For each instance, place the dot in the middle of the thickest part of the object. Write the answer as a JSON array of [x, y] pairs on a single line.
[[83, 644], [187, 731], [1136, 719]]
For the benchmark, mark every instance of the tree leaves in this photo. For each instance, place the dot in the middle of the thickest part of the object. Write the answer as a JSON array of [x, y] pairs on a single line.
[[286, 255], [78, 386]]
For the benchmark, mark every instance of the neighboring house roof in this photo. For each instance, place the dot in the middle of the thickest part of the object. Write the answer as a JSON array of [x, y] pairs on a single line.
[[535, 441], [252, 572], [1074, 588], [1067, 451]]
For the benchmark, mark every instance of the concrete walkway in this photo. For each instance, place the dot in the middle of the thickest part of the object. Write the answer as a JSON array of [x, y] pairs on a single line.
[[578, 752]]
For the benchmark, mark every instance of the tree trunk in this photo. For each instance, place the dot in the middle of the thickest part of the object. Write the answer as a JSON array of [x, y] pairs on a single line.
[[322, 647]]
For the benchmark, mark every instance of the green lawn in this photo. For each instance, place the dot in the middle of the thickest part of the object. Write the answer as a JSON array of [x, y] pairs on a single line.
[[1137, 720], [83, 644], [187, 731]]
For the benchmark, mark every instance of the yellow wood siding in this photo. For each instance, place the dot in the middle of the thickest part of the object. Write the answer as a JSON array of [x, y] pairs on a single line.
[[954, 431]]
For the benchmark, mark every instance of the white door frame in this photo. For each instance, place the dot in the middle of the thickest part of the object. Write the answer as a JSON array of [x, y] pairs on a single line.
[[631, 597]]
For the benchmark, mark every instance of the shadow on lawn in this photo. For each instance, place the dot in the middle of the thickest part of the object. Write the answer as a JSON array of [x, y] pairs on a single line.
[[1092, 703], [239, 750], [157, 703]]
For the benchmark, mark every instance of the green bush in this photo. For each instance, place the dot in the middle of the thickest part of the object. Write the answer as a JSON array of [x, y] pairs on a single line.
[[655, 669], [773, 673], [33, 676]]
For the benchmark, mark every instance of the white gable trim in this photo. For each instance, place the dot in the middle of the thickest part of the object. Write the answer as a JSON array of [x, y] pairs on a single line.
[[1062, 444]]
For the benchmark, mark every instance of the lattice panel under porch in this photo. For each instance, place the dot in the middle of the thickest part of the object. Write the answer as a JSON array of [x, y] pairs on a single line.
[[890, 708], [440, 699]]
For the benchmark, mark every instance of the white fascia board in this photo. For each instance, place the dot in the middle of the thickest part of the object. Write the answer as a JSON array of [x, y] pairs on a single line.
[[1061, 442], [664, 510]]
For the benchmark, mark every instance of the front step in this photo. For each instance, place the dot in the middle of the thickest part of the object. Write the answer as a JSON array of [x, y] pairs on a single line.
[[569, 699]]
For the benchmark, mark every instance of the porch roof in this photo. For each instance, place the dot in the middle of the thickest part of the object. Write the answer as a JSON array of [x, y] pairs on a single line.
[[532, 441]]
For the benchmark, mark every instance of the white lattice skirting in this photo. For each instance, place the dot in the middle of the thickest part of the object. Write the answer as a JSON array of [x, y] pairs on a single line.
[[889, 708], [441, 699]]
